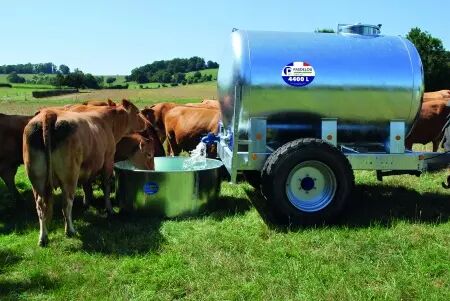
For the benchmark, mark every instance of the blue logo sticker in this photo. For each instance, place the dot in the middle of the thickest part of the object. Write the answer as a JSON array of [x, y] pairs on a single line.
[[298, 74], [151, 188]]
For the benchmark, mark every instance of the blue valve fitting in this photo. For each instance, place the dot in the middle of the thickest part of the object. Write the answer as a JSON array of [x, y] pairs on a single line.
[[210, 139]]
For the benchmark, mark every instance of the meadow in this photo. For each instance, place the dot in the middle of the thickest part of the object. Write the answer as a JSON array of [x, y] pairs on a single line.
[[391, 243]]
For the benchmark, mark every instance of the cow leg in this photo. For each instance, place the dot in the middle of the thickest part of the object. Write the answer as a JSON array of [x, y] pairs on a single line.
[[88, 194], [408, 145], [435, 145], [44, 208], [8, 175], [106, 179], [68, 194], [174, 148], [436, 142]]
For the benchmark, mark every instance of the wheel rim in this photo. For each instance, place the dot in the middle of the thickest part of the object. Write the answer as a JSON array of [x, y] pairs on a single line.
[[311, 186]]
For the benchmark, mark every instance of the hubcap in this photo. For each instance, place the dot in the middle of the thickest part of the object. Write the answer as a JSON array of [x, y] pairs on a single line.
[[311, 186]]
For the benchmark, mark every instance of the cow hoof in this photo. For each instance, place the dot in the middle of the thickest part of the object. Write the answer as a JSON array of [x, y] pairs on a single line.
[[43, 242]]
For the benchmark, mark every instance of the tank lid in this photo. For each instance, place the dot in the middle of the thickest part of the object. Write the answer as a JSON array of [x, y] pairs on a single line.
[[361, 29]]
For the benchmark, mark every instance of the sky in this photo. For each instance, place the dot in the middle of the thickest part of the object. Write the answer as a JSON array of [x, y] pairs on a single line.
[[112, 37]]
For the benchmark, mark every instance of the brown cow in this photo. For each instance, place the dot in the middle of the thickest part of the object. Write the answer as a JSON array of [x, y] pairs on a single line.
[[186, 125], [139, 148], [429, 126], [62, 148], [136, 148], [206, 103], [429, 96], [11, 132], [101, 103], [155, 114]]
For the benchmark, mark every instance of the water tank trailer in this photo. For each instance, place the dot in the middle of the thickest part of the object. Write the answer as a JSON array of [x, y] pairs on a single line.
[[301, 111]]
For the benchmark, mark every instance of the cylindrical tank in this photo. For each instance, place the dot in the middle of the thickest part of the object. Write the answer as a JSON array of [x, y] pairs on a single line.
[[296, 79]]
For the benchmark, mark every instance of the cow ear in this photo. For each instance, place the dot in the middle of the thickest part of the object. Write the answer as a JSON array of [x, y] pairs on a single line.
[[126, 104], [111, 103], [142, 143]]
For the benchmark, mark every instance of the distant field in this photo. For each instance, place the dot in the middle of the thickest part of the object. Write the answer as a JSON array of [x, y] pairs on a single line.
[[19, 100], [120, 79]]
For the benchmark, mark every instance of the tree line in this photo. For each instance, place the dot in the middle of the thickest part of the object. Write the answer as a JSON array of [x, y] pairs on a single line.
[[435, 59], [169, 71], [76, 79], [45, 68]]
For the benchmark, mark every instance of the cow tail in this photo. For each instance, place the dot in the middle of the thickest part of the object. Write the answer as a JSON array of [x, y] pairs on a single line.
[[48, 126]]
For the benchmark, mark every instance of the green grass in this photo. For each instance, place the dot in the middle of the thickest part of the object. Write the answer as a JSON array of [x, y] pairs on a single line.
[[391, 243]]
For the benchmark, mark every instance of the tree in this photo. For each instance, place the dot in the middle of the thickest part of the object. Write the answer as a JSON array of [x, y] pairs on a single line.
[[178, 77], [325, 30], [197, 74], [90, 81], [435, 60], [58, 80], [14, 78], [142, 78], [74, 79], [110, 80], [212, 65], [64, 69]]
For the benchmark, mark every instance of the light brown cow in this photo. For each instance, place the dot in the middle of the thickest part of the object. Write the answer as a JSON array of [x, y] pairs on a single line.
[[99, 103], [429, 96], [136, 148], [429, 127], [155, 114], [139, 148], [62, 148], [11, 132], [185, 126], [206, 103]]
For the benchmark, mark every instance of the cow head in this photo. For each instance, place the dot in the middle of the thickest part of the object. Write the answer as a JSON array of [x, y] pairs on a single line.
[[148, 150], [154, 115], [144, 158], [136, 120]]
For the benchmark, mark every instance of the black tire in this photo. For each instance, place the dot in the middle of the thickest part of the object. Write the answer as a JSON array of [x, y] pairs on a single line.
[[287, 159], [253, 177]]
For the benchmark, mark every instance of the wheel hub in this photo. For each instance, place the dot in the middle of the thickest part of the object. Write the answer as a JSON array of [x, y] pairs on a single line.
[[311, 186], [307, 183]]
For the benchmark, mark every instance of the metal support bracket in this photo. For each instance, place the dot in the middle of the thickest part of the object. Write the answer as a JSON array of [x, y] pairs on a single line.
[[329, 130], [397, 137]]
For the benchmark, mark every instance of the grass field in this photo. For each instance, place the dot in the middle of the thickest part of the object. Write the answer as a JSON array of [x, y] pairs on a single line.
[[391, 243]]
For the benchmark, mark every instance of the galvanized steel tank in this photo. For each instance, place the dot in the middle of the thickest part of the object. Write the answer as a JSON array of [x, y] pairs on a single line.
[[364, 81]]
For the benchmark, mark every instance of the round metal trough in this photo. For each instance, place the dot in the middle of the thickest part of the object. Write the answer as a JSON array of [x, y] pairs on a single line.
[[169, 190]]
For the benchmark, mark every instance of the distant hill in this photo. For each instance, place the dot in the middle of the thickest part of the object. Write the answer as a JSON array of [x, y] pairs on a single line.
[[171, 71]]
